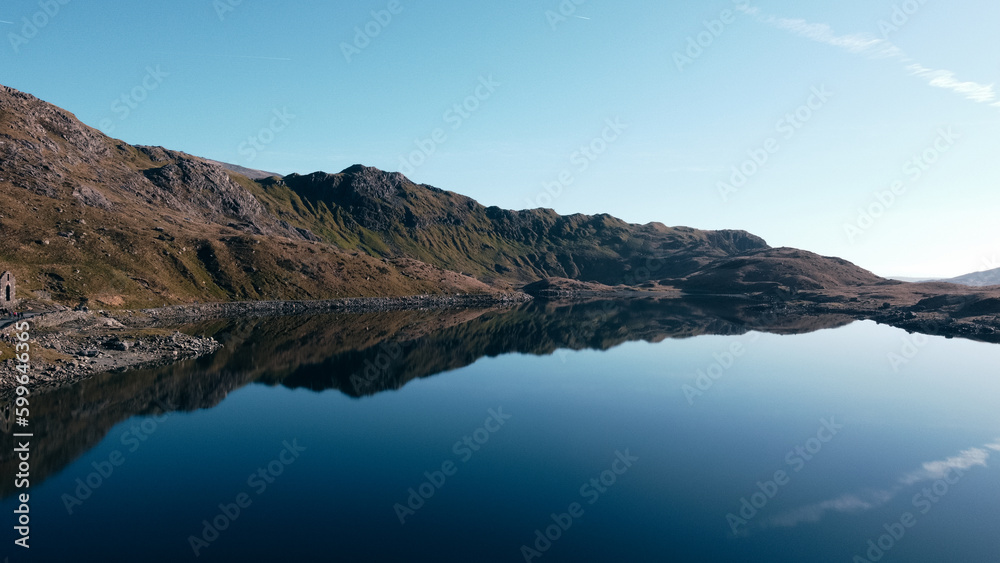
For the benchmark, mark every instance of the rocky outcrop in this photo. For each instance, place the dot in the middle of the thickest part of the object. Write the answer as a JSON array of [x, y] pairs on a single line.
[[48, 151], [197, 188]]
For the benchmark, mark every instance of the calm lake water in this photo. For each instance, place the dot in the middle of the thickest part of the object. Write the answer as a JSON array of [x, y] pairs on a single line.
[[548, 433]]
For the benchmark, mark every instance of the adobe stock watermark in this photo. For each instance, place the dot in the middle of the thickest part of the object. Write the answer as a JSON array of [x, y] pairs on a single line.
[[591, 491], [365, 34], [786, 127], [913, 343], [565, 10], [644, 272], [991, 263], [455, 117], [464, 449], [33, 25], [132, 439], [255, 144], [258, 481], [697, 44], [377, 368], [124, 105], [722, 362], [901, 14], [580, 161], [913, 170], [923, 502], [224, 7], [796, 459]]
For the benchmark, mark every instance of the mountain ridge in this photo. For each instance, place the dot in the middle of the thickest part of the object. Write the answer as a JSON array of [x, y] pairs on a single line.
[[97, 218], [456, 232]]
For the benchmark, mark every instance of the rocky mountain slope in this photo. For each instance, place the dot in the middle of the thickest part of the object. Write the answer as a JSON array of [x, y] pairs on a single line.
[[87, 217], [84, 216]]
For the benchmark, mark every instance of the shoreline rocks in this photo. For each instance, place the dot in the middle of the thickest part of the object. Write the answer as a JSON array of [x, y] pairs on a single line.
[[69, 346], [238, 309]]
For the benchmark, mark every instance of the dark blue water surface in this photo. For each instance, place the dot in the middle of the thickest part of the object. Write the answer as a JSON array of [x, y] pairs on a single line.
[[503, 419]]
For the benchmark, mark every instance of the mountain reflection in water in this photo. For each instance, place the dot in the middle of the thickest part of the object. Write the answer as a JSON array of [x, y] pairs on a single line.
[[364, 354]]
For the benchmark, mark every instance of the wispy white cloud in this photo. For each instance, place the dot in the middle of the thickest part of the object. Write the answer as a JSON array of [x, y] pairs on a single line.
[[873, 47], [859, 43], [933, 470], [982, 93], [853, 502], [872, 499]]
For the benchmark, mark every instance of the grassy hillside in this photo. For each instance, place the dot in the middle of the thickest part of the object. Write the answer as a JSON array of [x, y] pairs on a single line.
[[85, 217]]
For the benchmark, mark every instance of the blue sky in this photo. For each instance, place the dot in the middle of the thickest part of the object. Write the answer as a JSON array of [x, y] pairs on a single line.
[[292, 87]]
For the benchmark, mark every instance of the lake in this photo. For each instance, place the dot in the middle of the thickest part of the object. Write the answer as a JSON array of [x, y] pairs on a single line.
[[634, 431]]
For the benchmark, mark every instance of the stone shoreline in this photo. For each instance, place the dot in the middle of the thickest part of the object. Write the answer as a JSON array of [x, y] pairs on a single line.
[[238, 309], [68, 346], [72, 345]]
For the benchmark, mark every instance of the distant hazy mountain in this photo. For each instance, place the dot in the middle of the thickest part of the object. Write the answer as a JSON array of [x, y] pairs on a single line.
[[978, 279], [248, 172]]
